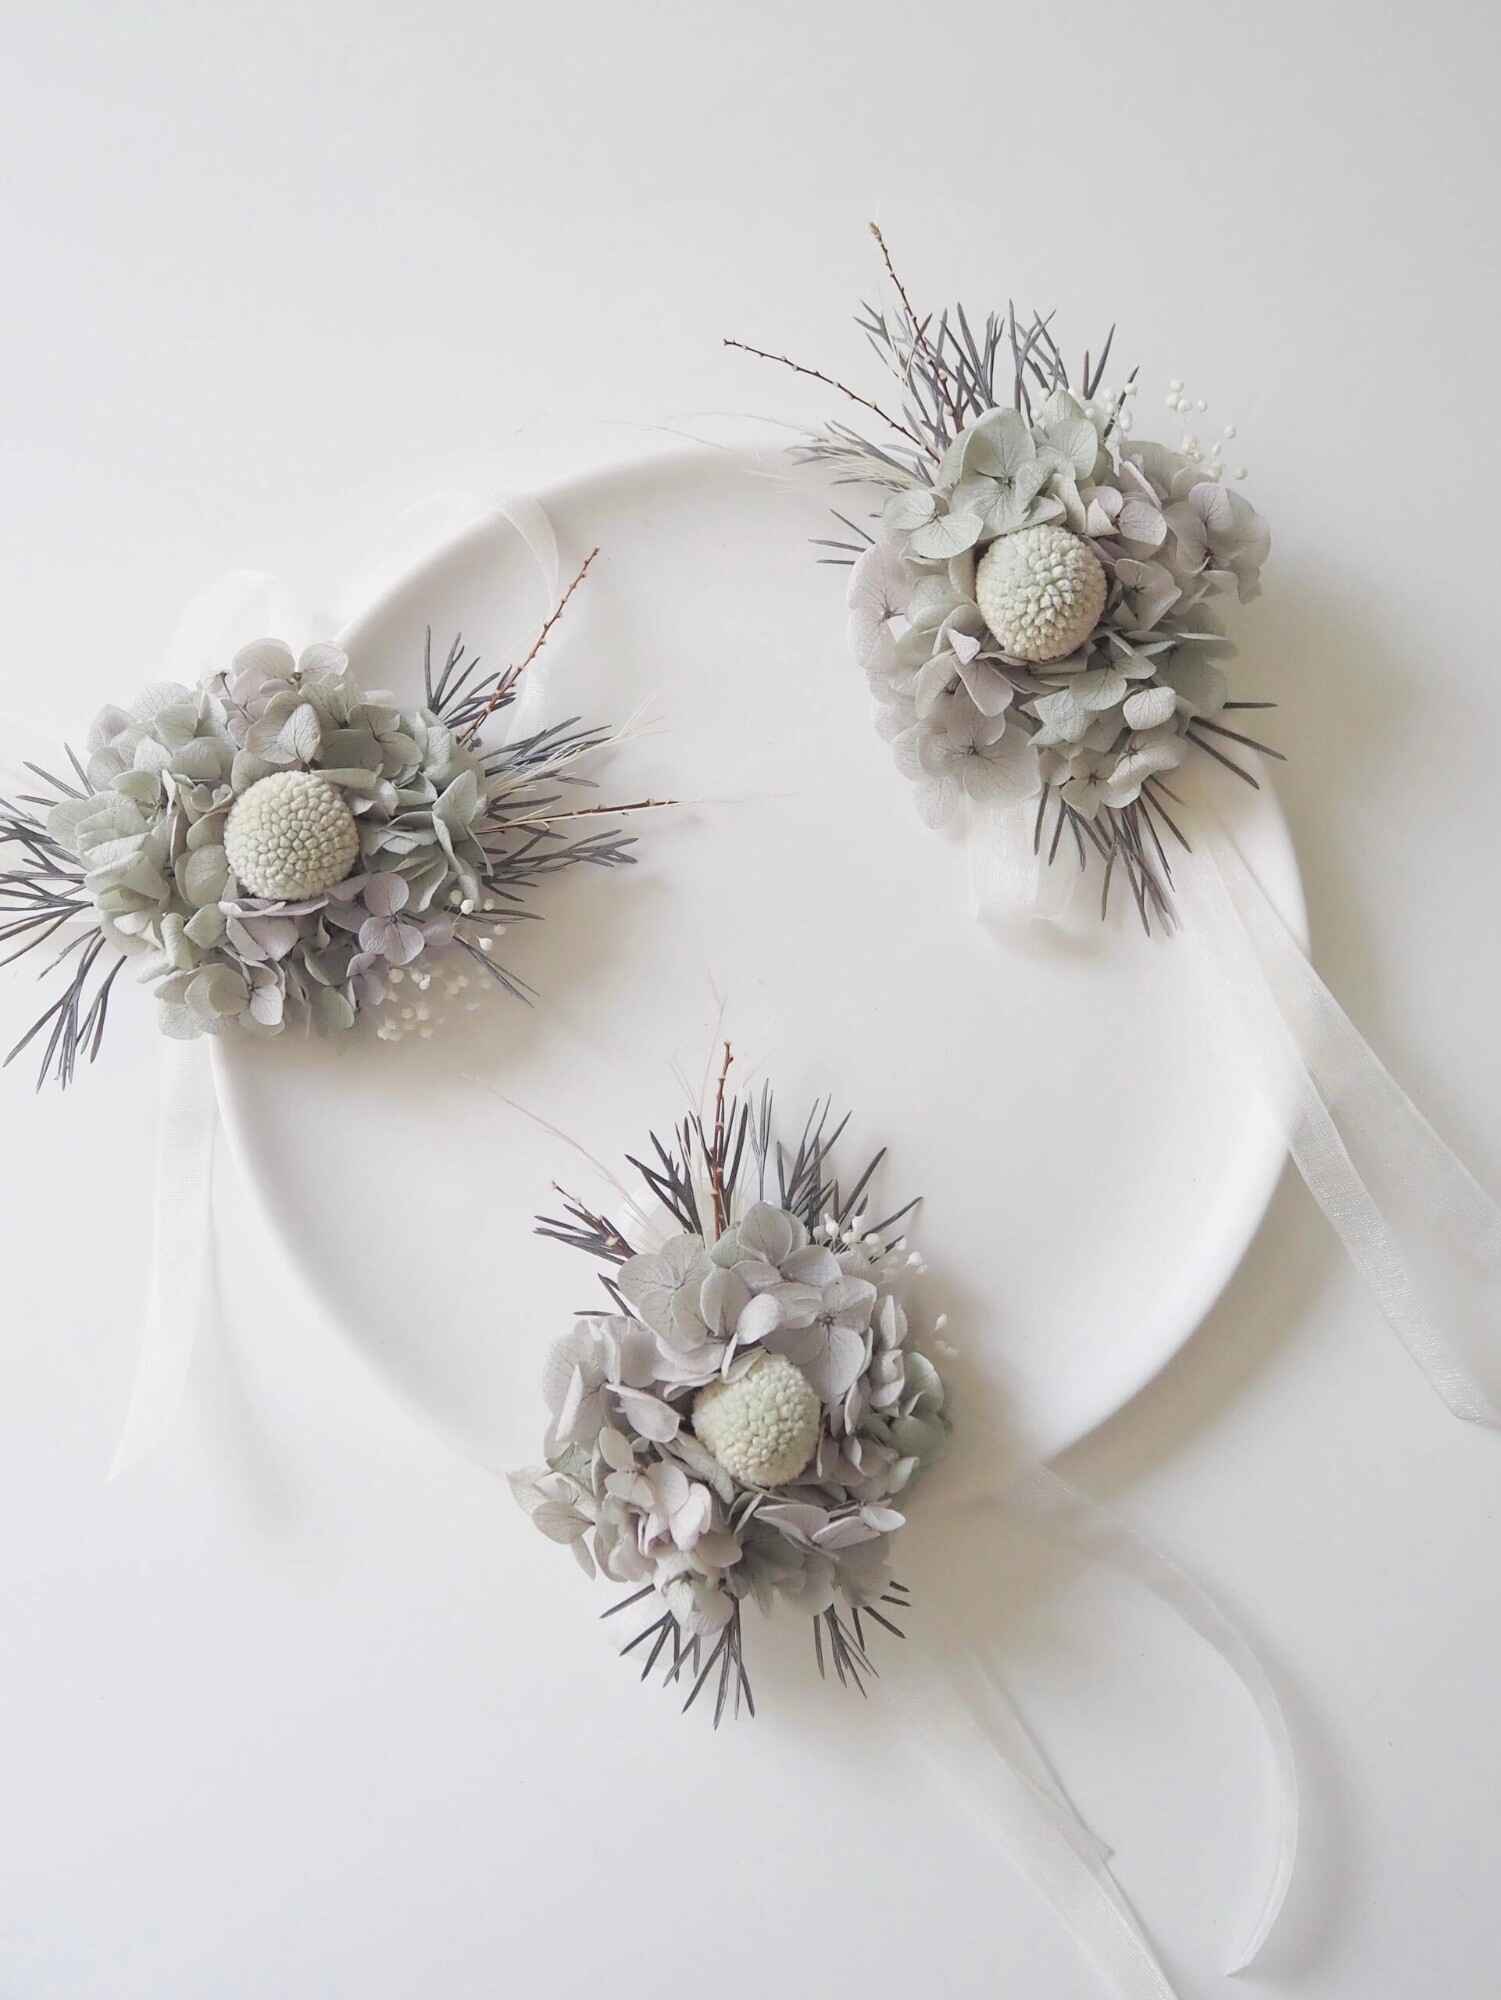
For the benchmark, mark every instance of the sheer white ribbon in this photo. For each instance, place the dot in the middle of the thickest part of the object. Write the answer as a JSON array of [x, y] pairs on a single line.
[[182, 1294], [1417, 1225], [1038, 1825], [1415, 1222]]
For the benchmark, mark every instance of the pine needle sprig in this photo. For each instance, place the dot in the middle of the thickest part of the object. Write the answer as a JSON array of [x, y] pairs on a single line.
[[38, 900]]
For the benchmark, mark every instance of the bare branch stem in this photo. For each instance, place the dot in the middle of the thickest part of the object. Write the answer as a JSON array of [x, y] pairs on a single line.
[[817, 375], [506, 685], [588, 812], [716, 1156]]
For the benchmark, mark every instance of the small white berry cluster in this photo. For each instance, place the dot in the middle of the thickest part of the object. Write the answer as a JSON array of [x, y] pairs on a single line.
[[1192, 445], [1113, 404], [416, 994], [887, 1259], [888, 1262], [941, 1346]]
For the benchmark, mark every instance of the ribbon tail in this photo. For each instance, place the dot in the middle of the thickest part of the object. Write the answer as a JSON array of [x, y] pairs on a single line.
[[1026, 1811], [1048, 1502], [1417, 1225], [1010, 875], [181, 1283]]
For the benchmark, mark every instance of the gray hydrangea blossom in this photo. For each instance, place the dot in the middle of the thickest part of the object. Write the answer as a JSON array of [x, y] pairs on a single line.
[[743, 1426], [370, 840]]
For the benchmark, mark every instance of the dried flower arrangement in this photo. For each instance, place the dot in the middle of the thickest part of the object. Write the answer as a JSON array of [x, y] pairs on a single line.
[[1033, 604], [743, 1420], [281, 850]]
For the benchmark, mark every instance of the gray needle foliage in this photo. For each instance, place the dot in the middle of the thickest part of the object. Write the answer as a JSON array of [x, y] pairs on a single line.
[[988, 434], [416, 839], [768, 1278]]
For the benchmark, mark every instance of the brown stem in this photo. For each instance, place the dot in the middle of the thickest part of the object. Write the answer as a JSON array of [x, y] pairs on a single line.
[[817, 375], [716, 1155], [506, 685], [901, 289], [941, 372], [586, 812]]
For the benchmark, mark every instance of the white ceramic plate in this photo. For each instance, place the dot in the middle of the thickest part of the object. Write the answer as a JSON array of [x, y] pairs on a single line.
[[1092, 1171]]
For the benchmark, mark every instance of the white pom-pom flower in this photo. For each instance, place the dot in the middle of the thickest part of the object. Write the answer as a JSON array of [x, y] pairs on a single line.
[[1041, 592], [763, 1428], [291, 835]]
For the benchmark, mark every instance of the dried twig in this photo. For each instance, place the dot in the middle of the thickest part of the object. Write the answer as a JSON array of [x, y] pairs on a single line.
[[817, 375], [716, 1151], [505, 686]]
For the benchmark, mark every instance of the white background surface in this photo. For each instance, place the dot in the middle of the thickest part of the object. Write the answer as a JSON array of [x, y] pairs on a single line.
[[272, 273]]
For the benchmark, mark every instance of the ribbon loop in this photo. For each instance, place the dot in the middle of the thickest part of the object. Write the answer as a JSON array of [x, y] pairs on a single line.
[[181, 1281], [1024, 1803], [1417, 1225]]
